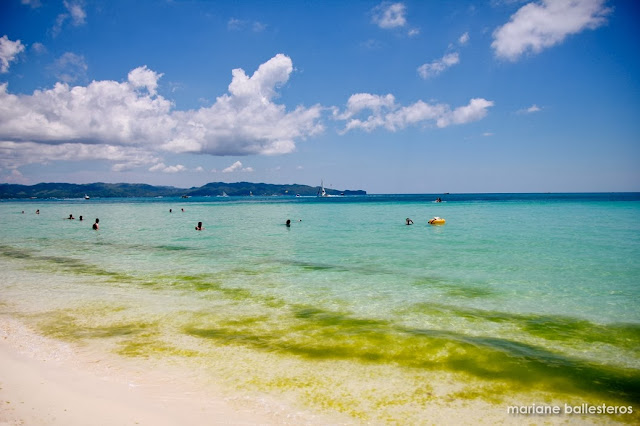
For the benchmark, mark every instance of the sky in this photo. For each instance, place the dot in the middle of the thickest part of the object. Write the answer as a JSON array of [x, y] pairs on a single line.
[[412, 96]]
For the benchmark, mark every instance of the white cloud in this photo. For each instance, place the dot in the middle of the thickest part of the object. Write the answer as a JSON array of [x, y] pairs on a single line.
[[8, 52], [237, 167], [39, 48], [384, 112], [33, 3], [464, 39], [389, 15], [533, 108], [258, 27], [161, 167], [16, 154], [476, 110], [439, 65], [120, 115], [413, 32], [144, 77], [69, 68], [14, 176], [235, 24], [75, 11], [537, 26]]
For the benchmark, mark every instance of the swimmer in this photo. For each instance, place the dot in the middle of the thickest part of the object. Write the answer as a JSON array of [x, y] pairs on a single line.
[[95, 225], [288, 224], [199, 227], [80, 218], [71, 217], [409, 221], [38, 211]]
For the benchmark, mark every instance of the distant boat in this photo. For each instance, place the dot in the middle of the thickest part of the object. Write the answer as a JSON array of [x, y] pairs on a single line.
[[250, 193], [297, 195], [86, 197], [185, 196], [224, 194], [321, 191]]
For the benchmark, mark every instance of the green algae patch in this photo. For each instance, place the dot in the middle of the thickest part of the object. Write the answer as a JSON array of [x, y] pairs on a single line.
[[145, 345], [73, 324], [57, 264], [455, 289], [549, 327], [320, 335]]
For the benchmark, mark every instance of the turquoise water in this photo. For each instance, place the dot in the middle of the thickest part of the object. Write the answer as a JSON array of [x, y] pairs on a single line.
[[514, 294]]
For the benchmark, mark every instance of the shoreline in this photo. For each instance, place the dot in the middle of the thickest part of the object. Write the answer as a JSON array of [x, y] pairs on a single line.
[[46, 382]]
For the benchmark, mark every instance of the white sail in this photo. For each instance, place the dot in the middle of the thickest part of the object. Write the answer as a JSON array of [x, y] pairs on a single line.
[[322, 192]]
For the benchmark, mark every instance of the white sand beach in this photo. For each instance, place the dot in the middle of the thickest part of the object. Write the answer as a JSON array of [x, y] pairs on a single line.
[[44, 382]]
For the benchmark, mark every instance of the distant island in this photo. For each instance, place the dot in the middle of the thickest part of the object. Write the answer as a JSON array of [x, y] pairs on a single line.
[[110, 190]]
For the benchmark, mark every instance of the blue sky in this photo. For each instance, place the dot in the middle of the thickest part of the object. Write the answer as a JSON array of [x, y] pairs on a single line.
[[389, 97]]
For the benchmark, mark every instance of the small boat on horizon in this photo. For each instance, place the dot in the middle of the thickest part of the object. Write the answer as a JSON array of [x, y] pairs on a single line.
[[321, 191], [86, 197]]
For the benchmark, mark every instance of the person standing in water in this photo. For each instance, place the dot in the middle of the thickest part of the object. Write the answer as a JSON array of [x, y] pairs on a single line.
[[95, 225], [199, 227]]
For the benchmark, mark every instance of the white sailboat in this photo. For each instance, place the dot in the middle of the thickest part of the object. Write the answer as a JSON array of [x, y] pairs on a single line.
[[321, 191]]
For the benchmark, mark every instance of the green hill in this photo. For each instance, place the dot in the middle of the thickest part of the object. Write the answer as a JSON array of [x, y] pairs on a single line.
[[108, 190]]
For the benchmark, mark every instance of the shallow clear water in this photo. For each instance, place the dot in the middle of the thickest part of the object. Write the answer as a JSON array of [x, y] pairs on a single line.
[[515, 293]]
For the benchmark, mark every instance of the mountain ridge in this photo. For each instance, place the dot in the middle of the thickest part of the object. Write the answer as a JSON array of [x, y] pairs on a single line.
[[113, 190]]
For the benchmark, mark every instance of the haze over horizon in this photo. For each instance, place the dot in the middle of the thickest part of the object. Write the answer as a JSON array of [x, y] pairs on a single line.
[[387, 97]]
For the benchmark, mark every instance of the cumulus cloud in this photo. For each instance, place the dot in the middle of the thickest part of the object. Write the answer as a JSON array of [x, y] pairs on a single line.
[[131, 118], [537, 26], [16, 154], [161, 167], [8, 52], [464, 39], [436, 67], [144, 77], [389, 15], [369, 112], [237, 167]]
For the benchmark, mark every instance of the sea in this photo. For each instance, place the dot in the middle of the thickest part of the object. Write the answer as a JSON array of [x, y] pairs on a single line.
[[518, 299]]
